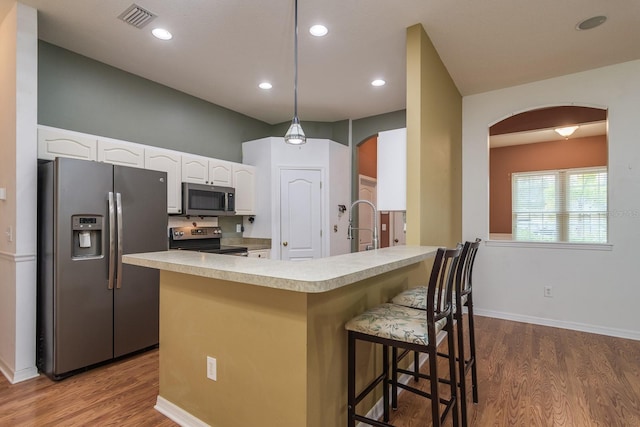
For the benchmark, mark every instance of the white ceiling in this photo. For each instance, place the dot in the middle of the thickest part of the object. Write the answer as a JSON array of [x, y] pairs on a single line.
[[545, 135], [222, 49]]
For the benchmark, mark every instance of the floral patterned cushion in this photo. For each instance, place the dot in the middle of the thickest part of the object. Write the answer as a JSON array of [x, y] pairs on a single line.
[[417, 298], [395, 322]]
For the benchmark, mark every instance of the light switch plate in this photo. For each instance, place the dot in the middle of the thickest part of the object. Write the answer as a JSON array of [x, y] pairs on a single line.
[[3, 194]]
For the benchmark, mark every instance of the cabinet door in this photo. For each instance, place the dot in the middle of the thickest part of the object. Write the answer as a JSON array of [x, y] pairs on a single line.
[[169, 162], [195, 169], [392, 170], [244, 181], [121, 153], [54, 143], [220, 173]]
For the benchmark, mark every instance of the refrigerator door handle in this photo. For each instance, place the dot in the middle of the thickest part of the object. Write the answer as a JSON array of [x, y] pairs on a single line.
[[119, 216], [112, 239]]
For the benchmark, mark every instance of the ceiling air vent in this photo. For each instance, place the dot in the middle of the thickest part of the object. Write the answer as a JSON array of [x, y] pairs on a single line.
[[137, 16]]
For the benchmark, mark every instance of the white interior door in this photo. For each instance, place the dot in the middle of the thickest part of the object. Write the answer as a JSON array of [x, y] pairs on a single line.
[[397, 236], [300, 214], [366, 191]]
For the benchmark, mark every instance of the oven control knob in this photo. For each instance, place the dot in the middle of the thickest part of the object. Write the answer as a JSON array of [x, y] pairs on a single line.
[[182, 233]]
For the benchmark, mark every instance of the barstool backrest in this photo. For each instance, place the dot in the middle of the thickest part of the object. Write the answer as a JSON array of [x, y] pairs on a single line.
[[465, 267], [439, 291]]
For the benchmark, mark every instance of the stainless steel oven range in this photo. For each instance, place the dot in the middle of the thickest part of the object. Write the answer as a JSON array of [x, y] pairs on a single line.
[[202, 239]]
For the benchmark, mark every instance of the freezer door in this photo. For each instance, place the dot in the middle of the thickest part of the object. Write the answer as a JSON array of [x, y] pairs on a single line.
[[143, 228], [82, 304]]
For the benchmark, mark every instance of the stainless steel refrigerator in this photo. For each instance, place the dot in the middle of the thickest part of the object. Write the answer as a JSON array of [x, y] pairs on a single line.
[[91, 307]]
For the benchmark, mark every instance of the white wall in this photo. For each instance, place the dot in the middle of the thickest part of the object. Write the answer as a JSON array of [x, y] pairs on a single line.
[[594, 290], [18, 103], [339, 181], [270, 156]]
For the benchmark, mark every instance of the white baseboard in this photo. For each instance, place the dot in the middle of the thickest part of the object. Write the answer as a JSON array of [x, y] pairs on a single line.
[[18, 376], [177, 414], [574, 326]]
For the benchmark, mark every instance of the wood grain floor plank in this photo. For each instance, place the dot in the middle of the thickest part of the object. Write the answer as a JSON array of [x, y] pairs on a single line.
[[528, 376], [532, 375], [119, 394]]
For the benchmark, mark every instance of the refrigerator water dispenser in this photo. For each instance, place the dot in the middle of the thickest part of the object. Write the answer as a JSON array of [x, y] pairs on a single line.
[[87, 236]]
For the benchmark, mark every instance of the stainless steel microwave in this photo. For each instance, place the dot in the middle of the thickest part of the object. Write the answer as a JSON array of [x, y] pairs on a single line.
[[207, 200]]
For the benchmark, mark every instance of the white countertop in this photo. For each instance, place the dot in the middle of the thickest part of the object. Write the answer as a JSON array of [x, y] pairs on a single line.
[[312, 276]]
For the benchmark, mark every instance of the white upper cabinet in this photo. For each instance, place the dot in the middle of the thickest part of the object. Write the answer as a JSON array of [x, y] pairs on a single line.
[[121, 153], [220, 173], [195, 169], [392, 170], [54, 143], [244, 181], [171, 163], [180, 167]]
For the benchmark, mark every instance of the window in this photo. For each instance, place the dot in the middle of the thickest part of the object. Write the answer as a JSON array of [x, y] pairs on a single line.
[[560, 206]]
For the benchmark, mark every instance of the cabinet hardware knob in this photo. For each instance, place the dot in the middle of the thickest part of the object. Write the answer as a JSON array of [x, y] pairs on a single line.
[[285, 243]]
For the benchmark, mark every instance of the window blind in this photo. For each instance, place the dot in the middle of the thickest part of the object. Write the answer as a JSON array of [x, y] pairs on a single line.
[[560, 205]]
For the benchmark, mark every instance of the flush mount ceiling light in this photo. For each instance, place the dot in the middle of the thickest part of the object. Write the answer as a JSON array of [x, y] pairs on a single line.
[[265, 85], [590, 23], [162, 34], [378, 82], [318, 30], [295, 134], [567, 131]]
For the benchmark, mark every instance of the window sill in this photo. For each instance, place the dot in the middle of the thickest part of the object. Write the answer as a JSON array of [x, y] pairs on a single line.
[[550, 245]]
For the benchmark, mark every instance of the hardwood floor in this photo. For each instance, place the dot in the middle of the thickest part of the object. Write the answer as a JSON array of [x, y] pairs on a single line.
[[120, 394], [529, 375]]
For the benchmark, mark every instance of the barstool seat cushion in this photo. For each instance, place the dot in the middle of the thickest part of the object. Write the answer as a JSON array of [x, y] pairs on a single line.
[[417, 298], [394, 322]]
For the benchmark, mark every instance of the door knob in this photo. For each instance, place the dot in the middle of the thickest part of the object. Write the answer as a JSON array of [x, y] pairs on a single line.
[[285, 243], [395, 240]]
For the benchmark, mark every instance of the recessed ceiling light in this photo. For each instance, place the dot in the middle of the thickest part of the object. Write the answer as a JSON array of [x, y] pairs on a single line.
[[378, 82], [265, 85], [590, 23], [162, 34], [318, 30]]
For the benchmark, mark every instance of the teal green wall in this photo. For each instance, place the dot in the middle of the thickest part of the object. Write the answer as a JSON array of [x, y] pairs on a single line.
[[84, 95], [369, 126], [335, 131]]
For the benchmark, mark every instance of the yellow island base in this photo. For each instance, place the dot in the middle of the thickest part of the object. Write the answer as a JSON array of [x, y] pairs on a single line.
[[275, 329]]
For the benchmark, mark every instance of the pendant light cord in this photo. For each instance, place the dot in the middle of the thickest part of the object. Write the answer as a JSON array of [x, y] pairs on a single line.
[[295, 60]]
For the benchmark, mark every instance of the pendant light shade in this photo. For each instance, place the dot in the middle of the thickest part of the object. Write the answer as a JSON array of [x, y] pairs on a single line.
[[295, 134]]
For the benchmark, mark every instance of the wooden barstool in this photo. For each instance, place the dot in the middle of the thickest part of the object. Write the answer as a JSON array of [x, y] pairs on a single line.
[[415, 298], [410, 329]]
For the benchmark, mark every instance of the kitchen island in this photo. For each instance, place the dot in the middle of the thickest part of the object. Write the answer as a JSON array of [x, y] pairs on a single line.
[[275, 328]]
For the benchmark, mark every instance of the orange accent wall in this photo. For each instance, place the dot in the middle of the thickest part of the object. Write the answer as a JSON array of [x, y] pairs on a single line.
[[368, 157], [561, 154]]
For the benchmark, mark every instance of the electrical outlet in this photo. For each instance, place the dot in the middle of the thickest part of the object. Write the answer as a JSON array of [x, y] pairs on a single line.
[[212, 370], [548, 291]]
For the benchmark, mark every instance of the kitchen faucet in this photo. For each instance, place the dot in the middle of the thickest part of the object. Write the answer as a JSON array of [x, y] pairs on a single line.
[[375, 223]]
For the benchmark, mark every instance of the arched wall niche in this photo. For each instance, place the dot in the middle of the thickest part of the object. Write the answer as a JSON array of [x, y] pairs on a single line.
[[527, 142]]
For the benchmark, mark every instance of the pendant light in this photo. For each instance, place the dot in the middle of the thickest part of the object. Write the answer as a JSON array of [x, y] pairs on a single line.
[[295, 134]]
